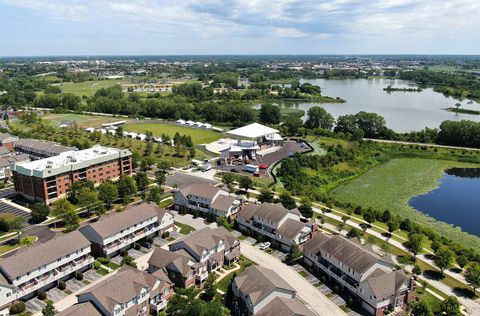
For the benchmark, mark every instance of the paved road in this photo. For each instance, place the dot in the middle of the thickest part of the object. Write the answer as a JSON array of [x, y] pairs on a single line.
[[310, 295]]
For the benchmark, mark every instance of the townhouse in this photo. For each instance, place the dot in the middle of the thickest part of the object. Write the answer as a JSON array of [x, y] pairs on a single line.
[[128, 292], [179, 266], [83, 309], [7, 162], [7, 141], [212, 247], [260, 291], [120, 230], [275, 223], [38, 149], [357, 268], [49, 179], [40, 266], [207, 199]]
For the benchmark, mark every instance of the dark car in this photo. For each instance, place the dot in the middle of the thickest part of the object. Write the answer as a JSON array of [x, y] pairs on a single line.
[[234, 170], [146, 245]]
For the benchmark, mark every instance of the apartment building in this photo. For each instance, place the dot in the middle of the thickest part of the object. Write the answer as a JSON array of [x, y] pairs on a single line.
[[260, 291], [180, 267], [275, 223], [48, 179], [370, 277], [7, 141], [212, 247], [120, 230], [40, 266], [207, 199], [128, 292], [38, 149]]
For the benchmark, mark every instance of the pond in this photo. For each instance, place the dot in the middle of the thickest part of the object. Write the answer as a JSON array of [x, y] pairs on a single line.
[[403, 111], [456, 200]]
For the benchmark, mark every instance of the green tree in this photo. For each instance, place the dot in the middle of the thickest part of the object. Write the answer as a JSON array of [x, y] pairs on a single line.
[[318, 117], [155, 194], [245, 182], [108, 193], [65, 211], [444, 258], [451, 306], [472, 275], [287, 200], [49, 309], [340, 227], [420, 308], [87, 198], [141, 179], [228, 179], [462, 261], [305, 207], [393, 225], [293, 123], [294, 254], [126, 186], [414, 243], [76, 187], [210, 287], [416, 270], [266, 195], [17, 224], [160, 177], [40, 212], [269, 114]]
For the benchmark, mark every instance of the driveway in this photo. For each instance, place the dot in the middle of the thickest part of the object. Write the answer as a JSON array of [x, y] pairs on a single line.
[[187, 219], [306, 291]]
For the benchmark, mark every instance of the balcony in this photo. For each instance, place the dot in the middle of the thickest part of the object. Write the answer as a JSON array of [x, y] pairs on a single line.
[[201, 276], [158, 306], [129, 239]]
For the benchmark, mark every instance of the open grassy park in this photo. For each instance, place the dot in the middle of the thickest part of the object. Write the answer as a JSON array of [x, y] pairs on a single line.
[[87, 88], [199, 136], [83, 121], [393, 183]]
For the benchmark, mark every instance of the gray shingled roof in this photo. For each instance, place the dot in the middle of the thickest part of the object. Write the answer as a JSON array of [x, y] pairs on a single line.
[[200, 189], [161, 258], [281, 306], [122, 287], [207, 238], [313, 244], [290, 228], [387, 284], [247, 211], [223, 202], [258, 282], [31, 258], [351, 254], [115, 222], [271, 212], [82, 309]]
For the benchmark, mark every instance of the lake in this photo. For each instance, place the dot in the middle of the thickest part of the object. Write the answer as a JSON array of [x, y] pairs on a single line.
[[456, 201], [403, 111]]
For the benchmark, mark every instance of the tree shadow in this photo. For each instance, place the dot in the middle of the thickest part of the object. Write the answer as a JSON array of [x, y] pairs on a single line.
[[433, 275], [465, 292]]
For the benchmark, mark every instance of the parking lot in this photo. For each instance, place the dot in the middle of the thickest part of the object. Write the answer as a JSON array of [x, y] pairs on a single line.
[[181, 180]]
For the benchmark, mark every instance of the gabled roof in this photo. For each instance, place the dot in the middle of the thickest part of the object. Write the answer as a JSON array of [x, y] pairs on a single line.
[[351, 254], [122, 287], [31, 258], [271, 212], [259, 282], [115, 222], [204, 190], [290, 228], [223, 202], [384, 285], [83, 309], [313, 244], [161, 258], [281, 306]]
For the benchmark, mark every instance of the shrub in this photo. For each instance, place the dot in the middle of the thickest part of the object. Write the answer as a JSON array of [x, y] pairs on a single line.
[[149, 240], [104, 260], [165, 234], [79, 276], [17, 307], [61, 285], [41, 294], [97, 265], [123, 253], [137, 246]]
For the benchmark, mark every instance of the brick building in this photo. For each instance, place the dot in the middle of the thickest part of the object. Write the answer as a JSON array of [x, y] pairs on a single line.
[[48, 179]]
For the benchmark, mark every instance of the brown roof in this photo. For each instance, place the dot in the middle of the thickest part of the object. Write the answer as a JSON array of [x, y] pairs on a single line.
[[271, 212], [247, 211], [290, 228], [387, 284], [42, 145], [83, 309], [281, 306], [39, 254], [313, 244], [122, 287], [258, 282], [201, 189], [161, 258], [115, 222], [223, 202], [207, 239], [351, 254]]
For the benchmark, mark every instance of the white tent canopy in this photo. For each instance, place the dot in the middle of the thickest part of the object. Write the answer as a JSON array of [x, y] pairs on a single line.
[[252, 131]]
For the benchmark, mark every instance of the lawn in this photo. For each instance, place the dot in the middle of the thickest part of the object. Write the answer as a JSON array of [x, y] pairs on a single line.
[[392, 184], [199, 136], [184, 228], [82, 121], [87, 88], [225, 282]]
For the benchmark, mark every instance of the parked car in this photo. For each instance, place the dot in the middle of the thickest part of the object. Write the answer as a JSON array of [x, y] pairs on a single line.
[[234, 170], [265, 245], [263, 166], [146, 245]]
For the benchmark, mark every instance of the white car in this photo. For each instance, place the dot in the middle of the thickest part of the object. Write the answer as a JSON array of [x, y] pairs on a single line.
[[265, 245]]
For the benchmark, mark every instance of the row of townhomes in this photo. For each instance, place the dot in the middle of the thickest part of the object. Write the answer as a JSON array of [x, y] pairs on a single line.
[[275, 223], [207, 199], [41, 266], [188, 261], [370, 277], [261, 292], [48, 179]]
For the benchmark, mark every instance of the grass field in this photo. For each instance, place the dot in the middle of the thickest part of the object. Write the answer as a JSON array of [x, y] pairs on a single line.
[[199, 136], [87, 88], [391, 185], [83, 121]]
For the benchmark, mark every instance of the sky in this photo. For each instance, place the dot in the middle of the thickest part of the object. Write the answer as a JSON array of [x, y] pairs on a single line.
[[205, 27]]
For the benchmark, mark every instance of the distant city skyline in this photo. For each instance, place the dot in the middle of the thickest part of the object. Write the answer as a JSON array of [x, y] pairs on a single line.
[[209, 27]]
